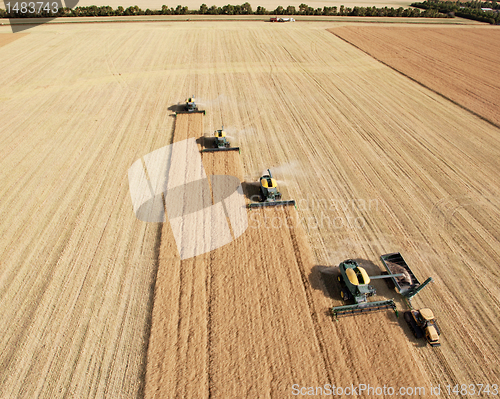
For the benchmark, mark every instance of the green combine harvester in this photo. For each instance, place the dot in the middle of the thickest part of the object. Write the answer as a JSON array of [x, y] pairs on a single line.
[[355, 287], [221, 143], [190, 107], [269, 194]]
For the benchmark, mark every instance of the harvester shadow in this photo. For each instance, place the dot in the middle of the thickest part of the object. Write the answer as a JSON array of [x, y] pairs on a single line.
[[324, 278], [201, 142], [176, 108], [251, 190]]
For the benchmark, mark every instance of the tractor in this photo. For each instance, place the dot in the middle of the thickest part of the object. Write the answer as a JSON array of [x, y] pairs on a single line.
[[422, 323]]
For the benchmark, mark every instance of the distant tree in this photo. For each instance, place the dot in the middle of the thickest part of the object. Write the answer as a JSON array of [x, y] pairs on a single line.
[[246, 8], [290, 10], [279, 11], [180, 10], [228, 10], [213, 10], [328, 10]]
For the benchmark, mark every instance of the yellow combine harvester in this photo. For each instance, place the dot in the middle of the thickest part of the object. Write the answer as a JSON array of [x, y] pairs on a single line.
[[354, 287], [190, 107], [221, 142], [270, 196]]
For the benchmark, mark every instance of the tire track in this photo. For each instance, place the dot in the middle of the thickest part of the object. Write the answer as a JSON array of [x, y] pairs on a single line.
[[301, 269], [310, 302]]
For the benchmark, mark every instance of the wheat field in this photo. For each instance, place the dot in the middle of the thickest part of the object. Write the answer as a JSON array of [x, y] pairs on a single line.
[[376, 162], [465, 77]]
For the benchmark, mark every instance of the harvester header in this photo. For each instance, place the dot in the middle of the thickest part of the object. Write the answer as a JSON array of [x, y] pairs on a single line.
[[348, 310]]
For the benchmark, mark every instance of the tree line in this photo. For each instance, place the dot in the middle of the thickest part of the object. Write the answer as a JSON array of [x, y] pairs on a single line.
[[469, 9], [243, 9]]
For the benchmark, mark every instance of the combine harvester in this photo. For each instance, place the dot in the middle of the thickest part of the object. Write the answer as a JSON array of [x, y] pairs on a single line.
[[190, 107], [270, 196], [354, 282], [221, 143]]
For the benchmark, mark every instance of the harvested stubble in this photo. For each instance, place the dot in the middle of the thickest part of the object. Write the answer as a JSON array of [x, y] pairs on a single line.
[[351, 139], [241, 320]]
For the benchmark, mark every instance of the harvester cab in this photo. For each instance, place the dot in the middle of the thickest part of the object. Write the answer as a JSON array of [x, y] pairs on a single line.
[[220, 139], [354, 282], [191, 105], [221, 143], [269, 194], [269, 188]]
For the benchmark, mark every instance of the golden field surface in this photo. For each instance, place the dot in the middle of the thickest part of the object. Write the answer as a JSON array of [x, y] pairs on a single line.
[[376, 162], [7, 38], [430, 56]]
